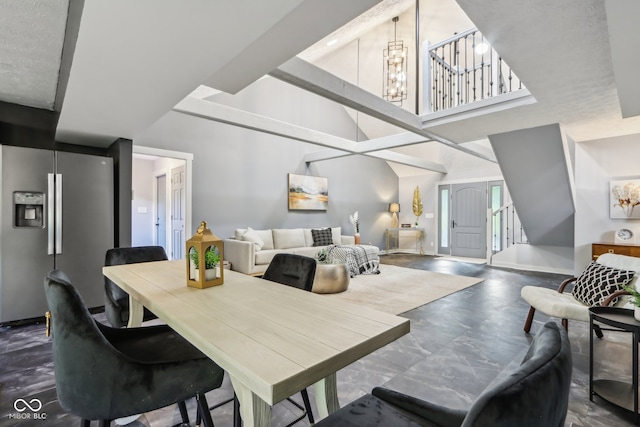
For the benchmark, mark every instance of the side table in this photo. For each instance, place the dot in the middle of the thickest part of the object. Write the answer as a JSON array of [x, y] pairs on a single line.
[[419, 232], [331, 278], [620, 393]]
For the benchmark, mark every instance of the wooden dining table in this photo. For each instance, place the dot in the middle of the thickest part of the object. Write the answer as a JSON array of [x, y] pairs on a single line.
[[273, 340]]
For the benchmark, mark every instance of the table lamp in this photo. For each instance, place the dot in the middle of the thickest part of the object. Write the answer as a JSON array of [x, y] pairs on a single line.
[[394, 208]]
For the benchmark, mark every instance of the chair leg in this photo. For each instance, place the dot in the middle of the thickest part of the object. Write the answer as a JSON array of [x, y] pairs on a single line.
[[598, 331], [527, 323], [183, 412], [85, 423], [105, 423], [307, 405], [565, 324], [203, 410]]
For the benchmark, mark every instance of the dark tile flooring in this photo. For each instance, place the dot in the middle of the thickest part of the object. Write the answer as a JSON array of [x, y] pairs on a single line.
[[458, 345]]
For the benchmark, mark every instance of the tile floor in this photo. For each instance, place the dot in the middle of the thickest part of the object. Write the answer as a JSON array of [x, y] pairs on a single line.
[[457, 346]]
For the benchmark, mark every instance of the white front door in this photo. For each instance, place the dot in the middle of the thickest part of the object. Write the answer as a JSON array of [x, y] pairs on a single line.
[[469, 219]]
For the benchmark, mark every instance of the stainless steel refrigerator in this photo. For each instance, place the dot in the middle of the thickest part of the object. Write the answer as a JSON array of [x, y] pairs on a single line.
[[57, 212]]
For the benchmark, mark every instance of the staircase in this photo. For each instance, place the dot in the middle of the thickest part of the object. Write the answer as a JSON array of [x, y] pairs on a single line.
[[537, 172]]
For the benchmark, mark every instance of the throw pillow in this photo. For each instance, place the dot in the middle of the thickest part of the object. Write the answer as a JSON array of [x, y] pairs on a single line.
[[322, 237], [251, 236], [597, 282]]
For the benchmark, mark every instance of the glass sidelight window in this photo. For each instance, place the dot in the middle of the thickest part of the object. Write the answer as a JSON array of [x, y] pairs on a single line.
[[444, 218]]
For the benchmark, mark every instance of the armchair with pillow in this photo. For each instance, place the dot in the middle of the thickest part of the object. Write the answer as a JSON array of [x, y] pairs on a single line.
[[600, 284], [250, 251]]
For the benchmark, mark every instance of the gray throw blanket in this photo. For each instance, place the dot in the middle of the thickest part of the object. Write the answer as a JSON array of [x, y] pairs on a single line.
[[359, 259]]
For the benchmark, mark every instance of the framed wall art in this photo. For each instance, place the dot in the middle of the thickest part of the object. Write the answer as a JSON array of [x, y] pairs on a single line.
[[309, 193], [624, 199]]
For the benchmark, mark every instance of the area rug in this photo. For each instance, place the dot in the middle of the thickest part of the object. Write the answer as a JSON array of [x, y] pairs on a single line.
[[399, 289]]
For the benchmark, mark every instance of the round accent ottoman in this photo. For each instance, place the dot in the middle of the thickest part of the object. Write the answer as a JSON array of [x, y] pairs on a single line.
[[331, 278]]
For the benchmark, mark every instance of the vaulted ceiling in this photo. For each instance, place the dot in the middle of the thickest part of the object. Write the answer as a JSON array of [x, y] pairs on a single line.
[[125, 64]]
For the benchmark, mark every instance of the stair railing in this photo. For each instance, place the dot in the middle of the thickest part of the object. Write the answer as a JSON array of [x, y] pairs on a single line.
[[504, 230], [460, 71]]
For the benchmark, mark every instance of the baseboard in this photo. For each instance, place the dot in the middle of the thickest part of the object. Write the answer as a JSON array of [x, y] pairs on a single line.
[[537, 268]]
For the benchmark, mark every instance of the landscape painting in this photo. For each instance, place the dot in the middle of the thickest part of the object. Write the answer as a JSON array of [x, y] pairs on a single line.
[[308, 193]]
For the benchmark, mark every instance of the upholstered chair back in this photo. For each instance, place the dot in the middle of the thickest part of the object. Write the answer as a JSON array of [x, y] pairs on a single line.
[[116, 300], [292, 270], [535, 394]]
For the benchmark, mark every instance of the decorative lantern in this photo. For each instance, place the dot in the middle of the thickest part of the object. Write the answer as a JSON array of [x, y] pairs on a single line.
[[204, 259]]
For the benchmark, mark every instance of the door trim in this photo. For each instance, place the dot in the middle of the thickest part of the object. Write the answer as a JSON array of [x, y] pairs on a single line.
[[188, 158], [450, 182]]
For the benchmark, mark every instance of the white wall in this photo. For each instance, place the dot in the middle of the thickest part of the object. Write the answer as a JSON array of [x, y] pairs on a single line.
[[142, 204], [240, 175], [597, 163]]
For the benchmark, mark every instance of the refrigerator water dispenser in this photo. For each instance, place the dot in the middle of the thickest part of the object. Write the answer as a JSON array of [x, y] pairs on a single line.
[[28, 208]]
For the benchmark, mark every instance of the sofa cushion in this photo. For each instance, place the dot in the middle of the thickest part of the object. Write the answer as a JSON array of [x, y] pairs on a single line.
[[308, 238], [597, 282], [251, 236], [310, 252], [265, 256], [265, 235], [285, 238], [336, 232], [322, 237]]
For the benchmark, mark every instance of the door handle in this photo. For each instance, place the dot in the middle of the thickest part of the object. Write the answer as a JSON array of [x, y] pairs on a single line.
[[453, 224]]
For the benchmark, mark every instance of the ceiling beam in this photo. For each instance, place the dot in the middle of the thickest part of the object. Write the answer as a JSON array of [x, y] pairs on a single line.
[[232, 116], [340, 147], [405, 159], [392, 141], [387, 155], [307, 76]]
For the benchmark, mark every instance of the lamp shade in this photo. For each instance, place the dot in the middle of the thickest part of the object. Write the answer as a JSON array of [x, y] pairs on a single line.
[[394, 207]]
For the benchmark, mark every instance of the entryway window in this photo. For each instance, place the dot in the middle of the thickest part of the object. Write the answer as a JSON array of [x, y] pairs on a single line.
[[444, 218]]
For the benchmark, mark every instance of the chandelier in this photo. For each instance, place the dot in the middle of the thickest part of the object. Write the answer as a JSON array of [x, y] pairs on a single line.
[[395, 66]]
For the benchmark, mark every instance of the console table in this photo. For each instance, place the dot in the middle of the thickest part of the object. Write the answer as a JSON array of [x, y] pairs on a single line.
[[392, 233], [623, 394], [598, 249]]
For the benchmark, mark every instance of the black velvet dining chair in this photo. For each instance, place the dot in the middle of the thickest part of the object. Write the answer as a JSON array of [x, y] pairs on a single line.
[[536, 394], [297, 271], [103, 373], [116, 304]]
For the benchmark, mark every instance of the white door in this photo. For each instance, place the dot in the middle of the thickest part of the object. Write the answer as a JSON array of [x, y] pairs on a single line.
[[469, 220], [178, 206]]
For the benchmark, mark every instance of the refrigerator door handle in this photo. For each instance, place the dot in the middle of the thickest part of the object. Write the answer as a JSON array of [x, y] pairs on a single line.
[[50, 214], [58, 213]]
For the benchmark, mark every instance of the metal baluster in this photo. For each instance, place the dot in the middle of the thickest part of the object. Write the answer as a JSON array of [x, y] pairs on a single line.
[[473, 54], [466, 71]]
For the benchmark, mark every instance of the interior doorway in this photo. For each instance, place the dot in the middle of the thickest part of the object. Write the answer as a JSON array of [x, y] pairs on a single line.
[[159, 206]]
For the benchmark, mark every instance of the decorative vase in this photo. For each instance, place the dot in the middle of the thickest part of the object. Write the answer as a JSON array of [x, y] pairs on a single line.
[[357, 238], [627, 208], [636, 313]]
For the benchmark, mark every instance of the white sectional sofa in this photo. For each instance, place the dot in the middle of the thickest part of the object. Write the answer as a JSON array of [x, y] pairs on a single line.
[[250, 251]]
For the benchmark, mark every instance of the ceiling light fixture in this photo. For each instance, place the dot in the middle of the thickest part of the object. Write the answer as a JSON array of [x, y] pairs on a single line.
[[481, 48], [395, 66]]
